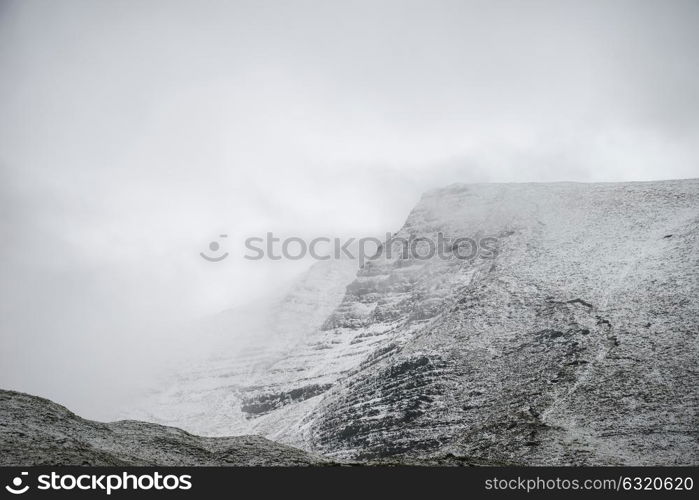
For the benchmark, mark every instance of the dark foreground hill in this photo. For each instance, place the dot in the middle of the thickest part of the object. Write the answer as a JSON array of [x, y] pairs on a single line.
[[36, 431]]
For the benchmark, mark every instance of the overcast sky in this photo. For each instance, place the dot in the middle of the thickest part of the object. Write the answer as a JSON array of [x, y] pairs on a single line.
[[134, 132]]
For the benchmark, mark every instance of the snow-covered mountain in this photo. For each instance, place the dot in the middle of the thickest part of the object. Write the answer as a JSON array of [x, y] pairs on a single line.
[[577, 343]]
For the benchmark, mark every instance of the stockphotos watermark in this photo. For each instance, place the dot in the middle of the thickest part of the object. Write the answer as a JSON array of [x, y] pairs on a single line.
[[361, 249], [106, 483]]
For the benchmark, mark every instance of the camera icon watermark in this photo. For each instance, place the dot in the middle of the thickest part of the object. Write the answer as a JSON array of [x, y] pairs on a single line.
[[16, 488], [214, 247]]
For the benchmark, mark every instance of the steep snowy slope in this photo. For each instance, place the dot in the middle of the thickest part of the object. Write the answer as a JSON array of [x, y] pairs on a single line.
[[254, 344], [575, 344]]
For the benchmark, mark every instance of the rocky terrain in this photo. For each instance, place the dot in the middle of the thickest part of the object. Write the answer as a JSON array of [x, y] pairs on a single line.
[[577, 344], [35, 431]]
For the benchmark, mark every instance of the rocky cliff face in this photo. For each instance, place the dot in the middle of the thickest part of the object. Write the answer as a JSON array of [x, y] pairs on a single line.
[[575, 344], [35, 431]]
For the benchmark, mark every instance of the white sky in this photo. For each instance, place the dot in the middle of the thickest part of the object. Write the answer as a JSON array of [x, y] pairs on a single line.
[[134, 132]]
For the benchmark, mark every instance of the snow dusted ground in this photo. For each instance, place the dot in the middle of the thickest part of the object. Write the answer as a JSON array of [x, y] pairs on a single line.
[[577, 344]]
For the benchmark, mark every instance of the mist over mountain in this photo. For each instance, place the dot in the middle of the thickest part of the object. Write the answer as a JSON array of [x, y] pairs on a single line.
[[575, 344], [144, 145], [133, 134]]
